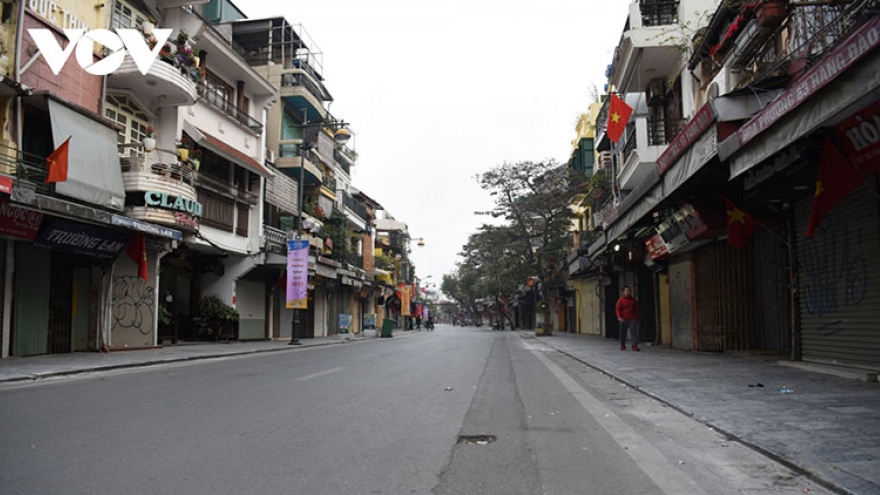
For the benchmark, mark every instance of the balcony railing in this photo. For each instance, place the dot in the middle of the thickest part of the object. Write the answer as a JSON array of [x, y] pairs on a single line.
[[354, 205], [28, 168], [225, 189], [630, 141], [275, 237], [659, 12], [329, 182], [663, 131], [132, 159], [220, 102], [294, 79]]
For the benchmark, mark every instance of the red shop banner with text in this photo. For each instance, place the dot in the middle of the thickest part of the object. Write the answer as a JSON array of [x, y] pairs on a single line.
[[19, 222]]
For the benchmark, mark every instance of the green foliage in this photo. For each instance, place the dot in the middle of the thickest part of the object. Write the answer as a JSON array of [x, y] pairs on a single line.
[[335, 230], [383, 262], [213, 315], [164, 316]]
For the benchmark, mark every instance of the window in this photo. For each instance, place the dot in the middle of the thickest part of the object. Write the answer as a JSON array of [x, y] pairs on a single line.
[[126, 16], [217, 93], [132, 120]]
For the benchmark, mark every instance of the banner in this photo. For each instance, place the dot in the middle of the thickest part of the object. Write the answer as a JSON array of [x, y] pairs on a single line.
[[297, 275]]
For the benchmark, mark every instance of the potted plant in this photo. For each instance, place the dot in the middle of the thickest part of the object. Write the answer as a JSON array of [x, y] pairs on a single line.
[[195, 159], [149, 140], [182, 37], [182, 150], [772, 12], [165, 53], [216, 318]]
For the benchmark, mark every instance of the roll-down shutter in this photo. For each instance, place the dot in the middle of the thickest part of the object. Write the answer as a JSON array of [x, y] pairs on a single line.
[[251, 305], [839, 281]]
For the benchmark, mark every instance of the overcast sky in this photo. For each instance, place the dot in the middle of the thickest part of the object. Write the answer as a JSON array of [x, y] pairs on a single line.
[[440, 91]]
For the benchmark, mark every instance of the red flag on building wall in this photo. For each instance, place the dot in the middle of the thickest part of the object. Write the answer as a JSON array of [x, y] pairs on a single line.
[[740, 225], [618, 116], [137, 250], [56, 163], [835, 179]]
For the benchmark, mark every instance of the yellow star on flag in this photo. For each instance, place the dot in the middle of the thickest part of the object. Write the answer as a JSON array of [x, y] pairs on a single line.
[[615, 117], [737, 215], [819, 188]]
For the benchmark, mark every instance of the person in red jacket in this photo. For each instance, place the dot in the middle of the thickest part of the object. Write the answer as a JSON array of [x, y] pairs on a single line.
[[627, 310]]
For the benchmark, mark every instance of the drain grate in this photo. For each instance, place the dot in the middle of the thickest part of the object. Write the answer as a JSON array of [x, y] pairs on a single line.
[[477, 439]]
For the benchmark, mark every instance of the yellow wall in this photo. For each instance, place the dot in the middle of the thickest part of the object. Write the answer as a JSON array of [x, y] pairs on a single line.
[[72, 14]]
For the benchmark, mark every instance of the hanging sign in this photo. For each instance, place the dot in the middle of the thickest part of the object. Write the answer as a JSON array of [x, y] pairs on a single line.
[[297, 275]]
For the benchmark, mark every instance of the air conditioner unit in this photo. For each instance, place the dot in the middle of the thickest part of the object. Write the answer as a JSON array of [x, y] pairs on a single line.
[[270, 155], [656, 92], [721, 84]]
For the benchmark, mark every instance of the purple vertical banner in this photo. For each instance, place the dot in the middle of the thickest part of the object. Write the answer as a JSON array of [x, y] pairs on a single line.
[[297, 275]]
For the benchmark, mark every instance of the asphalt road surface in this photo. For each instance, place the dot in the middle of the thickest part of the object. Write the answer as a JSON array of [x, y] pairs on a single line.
[[454, 411]]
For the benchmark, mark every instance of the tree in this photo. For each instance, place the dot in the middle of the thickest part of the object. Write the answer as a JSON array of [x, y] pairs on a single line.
[[490, 254], [535, 198]]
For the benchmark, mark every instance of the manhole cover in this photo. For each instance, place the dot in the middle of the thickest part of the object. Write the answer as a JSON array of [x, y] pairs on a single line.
[[477, 439]]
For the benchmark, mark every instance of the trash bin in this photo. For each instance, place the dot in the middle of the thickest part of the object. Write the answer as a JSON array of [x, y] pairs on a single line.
[[387, 327]]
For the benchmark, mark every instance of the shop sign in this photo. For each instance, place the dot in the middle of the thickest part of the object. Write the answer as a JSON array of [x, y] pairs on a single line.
[[19, 222], [702, 120], [185, 220], [860, 136], [169, 202], [656, 247], [672, 235], [691, 222], [79, 238], [149, 228]]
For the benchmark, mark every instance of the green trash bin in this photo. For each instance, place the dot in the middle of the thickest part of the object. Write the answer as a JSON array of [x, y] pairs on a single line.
[[387, 327]]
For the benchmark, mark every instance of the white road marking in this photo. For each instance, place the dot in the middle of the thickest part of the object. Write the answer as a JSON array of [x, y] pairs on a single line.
[[320, 373], [665, 474]]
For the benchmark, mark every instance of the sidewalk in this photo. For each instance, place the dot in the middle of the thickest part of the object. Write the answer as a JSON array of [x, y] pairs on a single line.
[[16, 369], [827, 427]]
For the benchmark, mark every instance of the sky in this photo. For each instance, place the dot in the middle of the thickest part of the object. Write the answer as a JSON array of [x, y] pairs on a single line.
[[439, 91]]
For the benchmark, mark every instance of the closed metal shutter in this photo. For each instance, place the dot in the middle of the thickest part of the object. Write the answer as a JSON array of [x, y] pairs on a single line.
[[681, 303], [251, 305], [839, 282]]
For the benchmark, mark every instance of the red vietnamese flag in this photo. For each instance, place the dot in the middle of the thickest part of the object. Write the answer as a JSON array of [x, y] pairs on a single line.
[[56, 163], [834, 181], [740, 225], [618, 116], [137, 250]]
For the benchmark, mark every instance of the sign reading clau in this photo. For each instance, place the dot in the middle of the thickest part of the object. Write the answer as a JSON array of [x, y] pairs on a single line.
[[164, 200], [123, 41]]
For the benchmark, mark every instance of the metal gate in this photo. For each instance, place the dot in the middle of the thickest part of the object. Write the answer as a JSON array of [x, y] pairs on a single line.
[[839, 281], [724, 298]]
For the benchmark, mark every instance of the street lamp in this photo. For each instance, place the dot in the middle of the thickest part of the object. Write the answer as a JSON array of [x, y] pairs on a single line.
[[341, 135]]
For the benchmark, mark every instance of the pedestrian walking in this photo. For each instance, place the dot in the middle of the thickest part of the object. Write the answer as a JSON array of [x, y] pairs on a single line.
[[627, 310]]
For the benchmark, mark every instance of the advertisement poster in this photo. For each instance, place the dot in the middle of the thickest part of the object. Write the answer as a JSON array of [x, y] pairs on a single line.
[[297, 275]]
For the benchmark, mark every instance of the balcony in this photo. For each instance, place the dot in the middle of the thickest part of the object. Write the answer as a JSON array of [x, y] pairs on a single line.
[[167, 84], [158, 170], [645, 141], [650, 46], [299, 90], [290, 156], [355, 206], [276, 239]]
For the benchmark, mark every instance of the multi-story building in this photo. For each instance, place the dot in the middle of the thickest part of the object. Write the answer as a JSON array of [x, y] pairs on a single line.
[[782, 94]]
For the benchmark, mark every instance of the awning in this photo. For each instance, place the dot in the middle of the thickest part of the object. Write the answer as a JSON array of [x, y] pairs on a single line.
[[832, 85], [93, 171], [219, 147], [325, 271], [639, 210]]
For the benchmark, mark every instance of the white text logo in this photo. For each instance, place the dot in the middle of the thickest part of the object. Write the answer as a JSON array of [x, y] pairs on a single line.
[[120, 42]]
